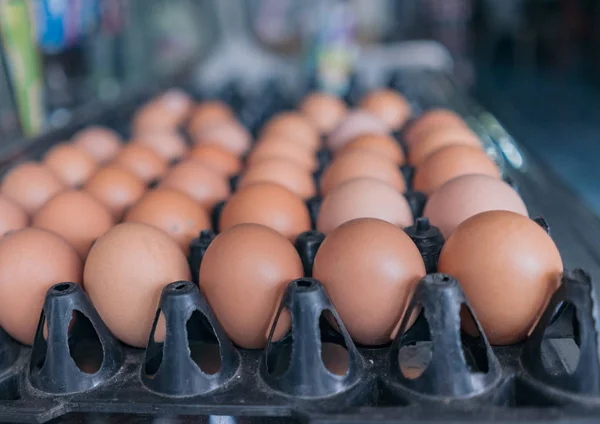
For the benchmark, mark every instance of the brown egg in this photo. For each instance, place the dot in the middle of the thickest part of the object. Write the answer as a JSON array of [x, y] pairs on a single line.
[[209, 113], [380, 144], [295, 127], [153, 117], [176, 102], [370, 269], [284, 172], [508, 267], [231, 136], [12, 216], [172, 212], [169, 145], [272, 147], [356, 123], [267, 204], [434, 140], [124, 275], [73, 165], [217, 159], [466, 196], [142, 162], [198, 182], [357, 164], [77, 217], [451, 162], [324, 111], [432, 120], [102, 143], [363, 198], [246, 297], [32, 260], [30, 185], [389, 106], [115, 188]]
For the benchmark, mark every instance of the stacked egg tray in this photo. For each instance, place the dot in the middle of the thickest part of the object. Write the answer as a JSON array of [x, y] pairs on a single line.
[[446, 376]]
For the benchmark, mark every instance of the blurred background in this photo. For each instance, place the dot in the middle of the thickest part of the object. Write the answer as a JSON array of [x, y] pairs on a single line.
[[535, 64]]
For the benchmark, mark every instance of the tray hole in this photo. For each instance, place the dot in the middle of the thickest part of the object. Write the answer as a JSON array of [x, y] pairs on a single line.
[[335, 356], [86, 352], [305, 285], [279, 354], [473, 346], [180, 286], [154, 352], [561, 354], [416, 353], [202, 342], [61, 287]]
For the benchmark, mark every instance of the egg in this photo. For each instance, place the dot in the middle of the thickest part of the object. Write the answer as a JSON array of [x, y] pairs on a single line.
[[272, 147], [77, 217], [31, 261], [30, 185], [169, 145], [176, 102], [508, 267], [164, 113], [124, 275], [380, 144], [451, 162], [357, 164], [101, 143], [198, 182], [370, 269], [284, 172], [217, 159], [142, 162], [172, 212], [209, 113], [116, 188], [12, 216], [432, 120], [231, 136], [363, 198], [356, 123], [324, 111], [389, 106], [436, 139], [245, 298], [73, 166], [466, 196], [267, 204], [295, 127]]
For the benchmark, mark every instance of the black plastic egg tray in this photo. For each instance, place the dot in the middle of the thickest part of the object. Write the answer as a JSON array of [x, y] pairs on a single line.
[[431, 372]]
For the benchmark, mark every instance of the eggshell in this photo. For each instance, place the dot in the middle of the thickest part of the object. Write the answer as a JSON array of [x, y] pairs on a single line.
[[124, 275], [198, 182], [142, 162], [268, 204], [231, 136], [77, 217], [434, 140], [370, 269], [451, 162], [169, 145], [116, 188], [383, 145], [12, 216], [389, 106], [508, 267], [177, 102], [284, 172], [73, 165], [153, 117], [324, 111], [209, 113], [31, 261], [102, 143], [466, 196], [274, 147], [217, 159], [357, 164], [246, 297], [172, 212], [30, 185], [356, 123], [363, 198], [295, 127], [432, 120]]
